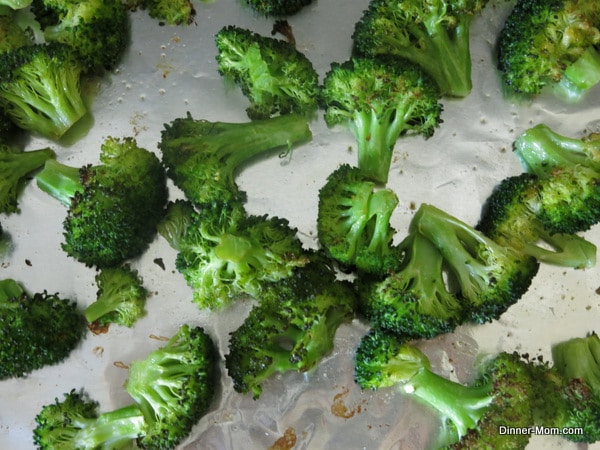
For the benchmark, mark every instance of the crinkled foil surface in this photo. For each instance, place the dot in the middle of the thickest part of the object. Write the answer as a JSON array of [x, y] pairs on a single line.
[[170, 71]]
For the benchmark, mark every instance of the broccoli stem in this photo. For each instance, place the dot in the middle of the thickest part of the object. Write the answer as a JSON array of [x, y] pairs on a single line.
[[60, 181], [10, 289], [101, 307], [580, 76], [114, 429], [462, 405], [579, 358]]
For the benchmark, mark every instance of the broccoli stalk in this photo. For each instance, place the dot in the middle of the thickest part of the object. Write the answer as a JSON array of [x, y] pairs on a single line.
[[380, 100], [433, 34], [202, 157]]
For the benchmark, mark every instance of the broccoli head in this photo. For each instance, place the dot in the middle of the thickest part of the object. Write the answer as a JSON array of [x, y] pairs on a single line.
[[277, 8], [40, 88], [35, 330], [12, 35], [169, 12], [203, 157], [120, 299], [550, 43], [292, 328], [380, 99], [433, 34], [274, 76], [113, 207]]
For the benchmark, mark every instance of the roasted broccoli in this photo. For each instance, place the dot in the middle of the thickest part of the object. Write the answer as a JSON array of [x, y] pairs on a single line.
[[510, 217], [433, 34], [202, 157], [380, 100], [113, 207], [15, 4], [120, 299], [12, 35], [277, 8], [274, 76], [40, 88], [569, 174], [97, 31], [499, 396], [353, 222], [172, 389], [35, 330], [292, 327], [550, 43], [169, 12], [224, 253], [15, 166]]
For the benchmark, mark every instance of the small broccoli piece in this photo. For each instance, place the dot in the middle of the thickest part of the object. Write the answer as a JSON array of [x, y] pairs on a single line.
[[40, 88], [414, 300], [291, 329], [277, 8], [274, 76], [380, 100], [11, 34], [433, 34], [15, 166], [169, 12], [224, 253], [113, 207], [35, 330], [203, 157], [510, 217], [569, 174], [75, 423], [174, 386], [497, 397], [121, 298], [353, 222], [550, 43], [98, 30], [489, 276]]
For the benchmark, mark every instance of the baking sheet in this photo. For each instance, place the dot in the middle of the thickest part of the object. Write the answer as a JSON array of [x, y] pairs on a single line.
[[169, 71]]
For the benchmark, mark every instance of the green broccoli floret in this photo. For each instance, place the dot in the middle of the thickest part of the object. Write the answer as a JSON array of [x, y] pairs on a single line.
[[353, 222], [75, 423], [569, 174], [489, 276], [291, 329], [510, 217], [380, 100], [203, 157], [277, 8], [97, 31], [550, 43], [11, 34], [113, 207], [414, 300], [40, 88], [169, 12], [433, 34], [15, 166], [274, 76], [35, 330], [224, 253], [120, 299], [497, 397]]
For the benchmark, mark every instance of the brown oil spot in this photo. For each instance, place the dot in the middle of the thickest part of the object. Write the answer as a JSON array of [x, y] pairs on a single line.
[[98, 351], [120, 365], [285, 442], [96, 328], [159, 338], [339, 408]]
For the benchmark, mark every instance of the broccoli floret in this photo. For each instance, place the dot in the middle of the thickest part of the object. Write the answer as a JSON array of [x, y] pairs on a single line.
[[550, 43], [75, 423], [277, 8], [40, 88], [11, 34], [414, 300], [353, 222], [569, 173], [120, 299], [433, 34], [291, 329], [174, 386], [98, 31], [274, 76], [35, 330], [497, 397], [203, 157], [169, 12], [15, 166], [380, 100], [510, 217], [224, 253], [113, 207], [490, 277]]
